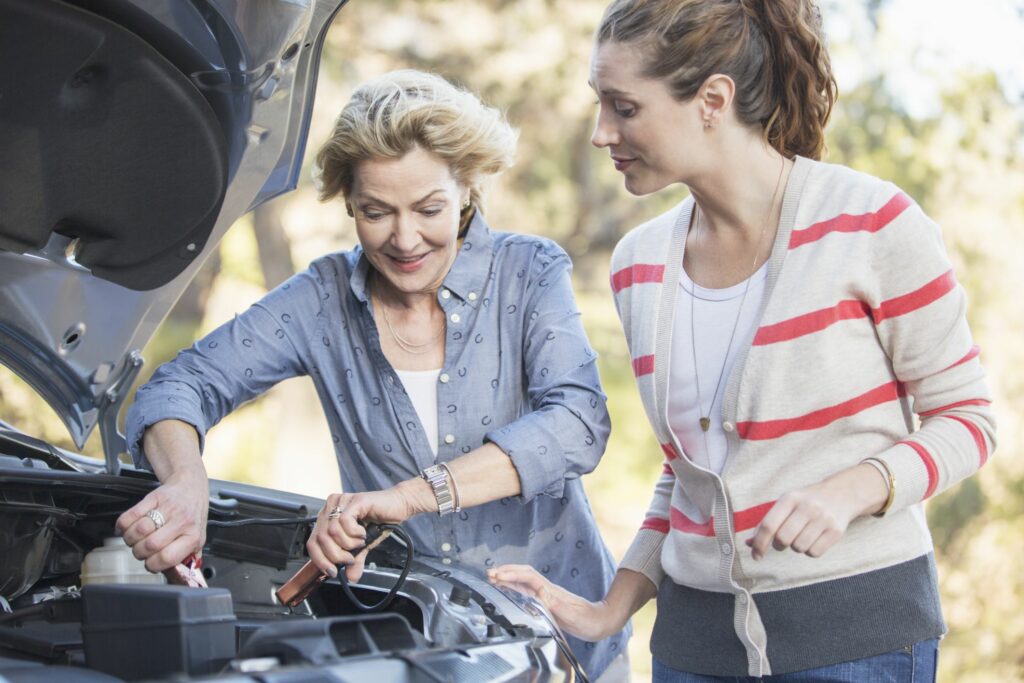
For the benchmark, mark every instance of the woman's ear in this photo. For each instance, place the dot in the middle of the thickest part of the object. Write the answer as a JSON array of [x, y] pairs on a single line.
[[348, 210], [714, 98]]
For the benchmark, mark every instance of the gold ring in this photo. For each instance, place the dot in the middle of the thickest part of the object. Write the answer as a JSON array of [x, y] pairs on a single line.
[[335, 512]]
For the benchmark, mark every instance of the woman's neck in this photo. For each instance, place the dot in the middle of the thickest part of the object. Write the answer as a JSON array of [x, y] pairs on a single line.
[[739, 197]]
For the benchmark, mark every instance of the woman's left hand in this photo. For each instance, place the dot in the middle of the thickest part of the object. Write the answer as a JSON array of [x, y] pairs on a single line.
[[812, 519], [335, 536]]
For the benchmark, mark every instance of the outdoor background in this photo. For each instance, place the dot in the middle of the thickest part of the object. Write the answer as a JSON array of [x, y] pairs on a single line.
[[931, 97]]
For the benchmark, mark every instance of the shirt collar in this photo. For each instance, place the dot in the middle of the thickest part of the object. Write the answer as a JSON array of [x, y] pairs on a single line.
[[465, 279]]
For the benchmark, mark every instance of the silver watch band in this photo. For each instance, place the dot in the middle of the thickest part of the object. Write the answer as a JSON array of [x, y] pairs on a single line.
[[437, 477]]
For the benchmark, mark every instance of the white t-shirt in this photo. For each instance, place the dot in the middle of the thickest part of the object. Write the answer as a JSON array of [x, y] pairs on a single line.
[[715, 312], [421, 386]]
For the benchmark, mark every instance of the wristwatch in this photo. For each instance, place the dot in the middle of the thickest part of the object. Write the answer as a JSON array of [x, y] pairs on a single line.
[[437, 477]]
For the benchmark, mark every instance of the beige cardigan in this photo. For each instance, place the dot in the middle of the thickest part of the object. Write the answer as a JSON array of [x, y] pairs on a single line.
[[862, 325]]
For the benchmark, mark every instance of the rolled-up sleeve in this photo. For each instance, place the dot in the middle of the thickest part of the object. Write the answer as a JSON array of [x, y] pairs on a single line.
[[230, 366], [565, 433]]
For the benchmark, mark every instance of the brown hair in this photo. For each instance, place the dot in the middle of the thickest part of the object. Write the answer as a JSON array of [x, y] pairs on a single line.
[[393, 113], [774, 51]]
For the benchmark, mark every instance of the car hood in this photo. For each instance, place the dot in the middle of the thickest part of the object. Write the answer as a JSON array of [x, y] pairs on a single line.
[[133, 134]]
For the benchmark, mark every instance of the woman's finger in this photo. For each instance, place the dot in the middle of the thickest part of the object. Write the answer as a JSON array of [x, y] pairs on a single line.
[[808, 536], [765, 534], [318, 558], [171, 554], [790, 529]]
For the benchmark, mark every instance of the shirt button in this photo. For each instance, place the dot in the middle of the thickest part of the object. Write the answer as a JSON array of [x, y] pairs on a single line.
[[728, 426], [391, 380], [446, 547], [455, 318], [446, 560], [444, 378], [445, 294], [472, 296], [743, 598], [727, 548], [449, 438]]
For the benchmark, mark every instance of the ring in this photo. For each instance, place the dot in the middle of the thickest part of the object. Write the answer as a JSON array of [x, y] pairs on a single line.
[[157, 517], [335, 512]]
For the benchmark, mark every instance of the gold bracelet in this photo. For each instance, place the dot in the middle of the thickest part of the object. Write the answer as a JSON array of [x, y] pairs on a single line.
[[890, 480], [455, 487]]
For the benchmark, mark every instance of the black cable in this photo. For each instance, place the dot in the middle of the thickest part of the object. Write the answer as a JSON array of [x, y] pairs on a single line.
[[263, 521], [395, 530]]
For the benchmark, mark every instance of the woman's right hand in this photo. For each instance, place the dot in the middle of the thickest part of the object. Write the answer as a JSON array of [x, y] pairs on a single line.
[[590, 621]]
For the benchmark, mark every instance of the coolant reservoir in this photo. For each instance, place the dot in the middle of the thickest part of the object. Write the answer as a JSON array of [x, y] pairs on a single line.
[[113, 562]]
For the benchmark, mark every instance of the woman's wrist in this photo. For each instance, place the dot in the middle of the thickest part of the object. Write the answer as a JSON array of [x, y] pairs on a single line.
[[418, 495]]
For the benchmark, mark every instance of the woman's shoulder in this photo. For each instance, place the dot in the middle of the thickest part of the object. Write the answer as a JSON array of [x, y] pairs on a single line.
[[649, 240], [516, 250], [833, 189]]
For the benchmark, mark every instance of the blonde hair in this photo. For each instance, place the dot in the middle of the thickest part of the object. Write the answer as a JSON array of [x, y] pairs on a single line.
[[774, 51], [390, 115]]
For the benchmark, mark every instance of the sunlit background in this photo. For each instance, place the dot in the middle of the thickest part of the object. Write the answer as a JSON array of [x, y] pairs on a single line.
[[931, 97]]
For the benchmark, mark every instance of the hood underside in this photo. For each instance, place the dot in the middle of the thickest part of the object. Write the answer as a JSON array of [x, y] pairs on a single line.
[[133, 134]]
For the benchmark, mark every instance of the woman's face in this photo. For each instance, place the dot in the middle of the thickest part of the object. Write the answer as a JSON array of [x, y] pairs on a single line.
[[407, 218], [649, 133]]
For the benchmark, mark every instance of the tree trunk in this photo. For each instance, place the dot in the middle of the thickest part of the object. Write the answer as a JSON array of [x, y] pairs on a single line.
[[272, 243]]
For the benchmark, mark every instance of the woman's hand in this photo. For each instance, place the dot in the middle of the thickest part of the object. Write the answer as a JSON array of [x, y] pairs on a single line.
[[336, 535], [812, 519], [578, 616], [183, 502]]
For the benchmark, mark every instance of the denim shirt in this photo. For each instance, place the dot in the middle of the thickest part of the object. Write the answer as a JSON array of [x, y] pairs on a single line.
[[518, 372]]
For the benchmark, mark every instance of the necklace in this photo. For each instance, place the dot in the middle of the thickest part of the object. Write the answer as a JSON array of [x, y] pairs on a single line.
[[705, 420], [405, 344], [408, 346]]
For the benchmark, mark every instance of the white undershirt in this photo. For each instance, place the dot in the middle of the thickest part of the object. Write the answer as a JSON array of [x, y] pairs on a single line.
[[421, 385], [715, 313]]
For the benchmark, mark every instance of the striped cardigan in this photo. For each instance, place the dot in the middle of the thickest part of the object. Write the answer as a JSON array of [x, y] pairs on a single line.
[[862, 326]]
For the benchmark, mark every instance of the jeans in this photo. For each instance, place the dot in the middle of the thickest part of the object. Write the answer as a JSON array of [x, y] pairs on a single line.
[[910, 664]]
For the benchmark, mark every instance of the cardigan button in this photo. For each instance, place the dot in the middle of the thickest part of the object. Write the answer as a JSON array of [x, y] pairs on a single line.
[[728, 426]]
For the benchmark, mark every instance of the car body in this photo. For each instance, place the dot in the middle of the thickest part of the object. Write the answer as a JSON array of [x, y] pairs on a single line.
[[134, 133]]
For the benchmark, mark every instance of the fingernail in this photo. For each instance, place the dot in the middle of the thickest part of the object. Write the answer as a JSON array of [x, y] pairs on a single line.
[[333, 572]]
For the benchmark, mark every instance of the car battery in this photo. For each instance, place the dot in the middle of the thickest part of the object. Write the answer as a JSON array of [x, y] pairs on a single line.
[[137, 631]]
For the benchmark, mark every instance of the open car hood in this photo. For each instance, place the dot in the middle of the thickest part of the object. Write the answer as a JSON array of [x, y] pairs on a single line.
[[133, 133]]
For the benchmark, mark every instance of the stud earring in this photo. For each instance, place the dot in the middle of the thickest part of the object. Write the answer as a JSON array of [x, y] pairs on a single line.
[[708, 123], [465, 205]]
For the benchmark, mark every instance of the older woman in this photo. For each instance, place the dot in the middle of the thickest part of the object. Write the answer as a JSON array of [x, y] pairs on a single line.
[[449, 360]]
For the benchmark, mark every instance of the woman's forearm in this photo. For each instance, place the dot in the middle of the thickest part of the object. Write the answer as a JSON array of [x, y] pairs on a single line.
[[172, 449], [629, 592], [480, 476]]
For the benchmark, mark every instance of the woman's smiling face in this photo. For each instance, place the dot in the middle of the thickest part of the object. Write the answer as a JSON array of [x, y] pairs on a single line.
[[648, 132], [407, 218]]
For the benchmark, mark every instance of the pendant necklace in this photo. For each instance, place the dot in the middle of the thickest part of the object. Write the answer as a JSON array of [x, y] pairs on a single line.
[[705, 420]]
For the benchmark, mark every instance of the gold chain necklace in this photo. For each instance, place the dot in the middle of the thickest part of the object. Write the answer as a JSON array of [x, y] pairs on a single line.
[[705, 420], [408, 346], [405, 344]]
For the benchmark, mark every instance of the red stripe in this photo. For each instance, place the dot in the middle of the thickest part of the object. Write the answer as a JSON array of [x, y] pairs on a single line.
[[655, 523], [979, 438], [811, 322], [849, 309], [741, 521], [951, 406], [751, 517], [844, 222], [929, 464], [773, 429], [667, 469], [919, 298], [670, 451], [637, 274], [971, 355], [681, 522], [644, 365]]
